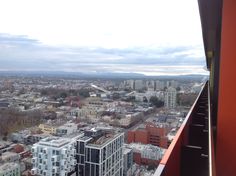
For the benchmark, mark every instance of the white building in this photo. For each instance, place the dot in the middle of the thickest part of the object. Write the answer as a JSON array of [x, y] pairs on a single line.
[[160, 85], [66, 129], [10, 169], [170, 98], [147, 151], [54, 156], [130, 83], [138, 85], [100, 152]]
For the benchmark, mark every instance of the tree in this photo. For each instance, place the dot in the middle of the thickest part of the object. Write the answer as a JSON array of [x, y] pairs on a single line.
[[84, 93], [63, 94], [145, 100], [156, 102]]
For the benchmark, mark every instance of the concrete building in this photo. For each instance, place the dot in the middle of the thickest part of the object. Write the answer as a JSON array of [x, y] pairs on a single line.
[[66, 129], [8, 157], [128, 161], [48, 129], [130, 84], [160, 85], [146, 154], [138, 85], [170, 98], [54, 156], [33, 138], [150, 85], [10, 169], [100, 152]]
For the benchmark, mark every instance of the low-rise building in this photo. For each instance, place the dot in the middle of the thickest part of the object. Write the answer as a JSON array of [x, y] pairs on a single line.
[[33, 138], [146, 154], [10, 169], [8, 157], [149, 134], [66, 129], [48, 129]]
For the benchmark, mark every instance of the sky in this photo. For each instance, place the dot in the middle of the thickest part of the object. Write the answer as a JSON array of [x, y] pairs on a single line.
[[152, 37]]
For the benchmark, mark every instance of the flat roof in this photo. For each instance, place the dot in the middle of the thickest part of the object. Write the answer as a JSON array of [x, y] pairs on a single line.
[[8, 166]]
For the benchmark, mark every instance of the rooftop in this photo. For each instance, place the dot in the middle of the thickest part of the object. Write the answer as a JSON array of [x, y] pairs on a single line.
[[54, 141], [143, 147], [8, 166]]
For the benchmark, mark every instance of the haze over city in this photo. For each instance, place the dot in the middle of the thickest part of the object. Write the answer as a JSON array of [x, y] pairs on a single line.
[[148, 37]]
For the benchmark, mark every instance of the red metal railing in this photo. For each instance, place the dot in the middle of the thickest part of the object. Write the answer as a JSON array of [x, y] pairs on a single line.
[[171, 162]]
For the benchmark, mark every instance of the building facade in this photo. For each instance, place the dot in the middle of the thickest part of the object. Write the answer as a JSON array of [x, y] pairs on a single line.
[[54, 156], [10, 169], [100, 153], [170, 98], [150, 134], [128, 161], [149, 155]]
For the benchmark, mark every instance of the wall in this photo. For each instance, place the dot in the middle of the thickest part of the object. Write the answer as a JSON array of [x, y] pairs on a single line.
[[226, 122]]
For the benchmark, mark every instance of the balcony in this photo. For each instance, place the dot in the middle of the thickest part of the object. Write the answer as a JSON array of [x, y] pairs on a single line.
[[190, 152], [34, 171]]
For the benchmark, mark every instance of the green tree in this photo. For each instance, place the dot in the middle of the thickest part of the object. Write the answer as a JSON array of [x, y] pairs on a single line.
[[156, 102]]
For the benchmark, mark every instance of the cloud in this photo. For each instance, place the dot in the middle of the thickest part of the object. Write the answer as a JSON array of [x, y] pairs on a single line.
[[21, 53]]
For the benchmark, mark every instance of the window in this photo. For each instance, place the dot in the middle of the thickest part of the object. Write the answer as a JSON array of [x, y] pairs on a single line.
[[81, 148], [95, 155]]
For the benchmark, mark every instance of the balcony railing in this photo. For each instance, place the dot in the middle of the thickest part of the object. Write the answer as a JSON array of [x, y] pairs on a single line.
[[190, 152]]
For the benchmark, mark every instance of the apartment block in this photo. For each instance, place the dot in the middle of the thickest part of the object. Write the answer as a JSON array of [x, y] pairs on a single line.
[[54, 156], [10, 169], [170, 98], [100, 152]]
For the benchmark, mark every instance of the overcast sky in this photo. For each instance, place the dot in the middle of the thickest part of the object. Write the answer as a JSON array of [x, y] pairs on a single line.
[[143, 36]]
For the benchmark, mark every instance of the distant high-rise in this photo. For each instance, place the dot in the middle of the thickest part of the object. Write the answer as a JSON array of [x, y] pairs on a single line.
[[160, 85], [170, 98], [138, 85], [130, 83]]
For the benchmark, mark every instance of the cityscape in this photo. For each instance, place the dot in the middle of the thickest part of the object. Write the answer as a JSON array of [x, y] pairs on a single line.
[[117, 88], [68, 126]]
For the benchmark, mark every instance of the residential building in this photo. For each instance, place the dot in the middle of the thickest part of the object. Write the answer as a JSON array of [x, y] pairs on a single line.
[[170, 98], [138, 85], [66, 129], [130, 83], [146, 154], [128, 161], [33, 138], [10, 169], [8, 157], [160, 85], [54, 156], [100, 152], [48, 129]]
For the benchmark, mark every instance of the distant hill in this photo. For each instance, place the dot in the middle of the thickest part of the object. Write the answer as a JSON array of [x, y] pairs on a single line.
[[96, 75]]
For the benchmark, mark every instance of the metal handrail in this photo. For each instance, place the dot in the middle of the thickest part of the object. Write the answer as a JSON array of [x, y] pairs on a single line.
[[160, 169], [211, 154]]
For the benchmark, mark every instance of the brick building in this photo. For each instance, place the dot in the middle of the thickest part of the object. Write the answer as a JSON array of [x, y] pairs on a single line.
[[150, 134]]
